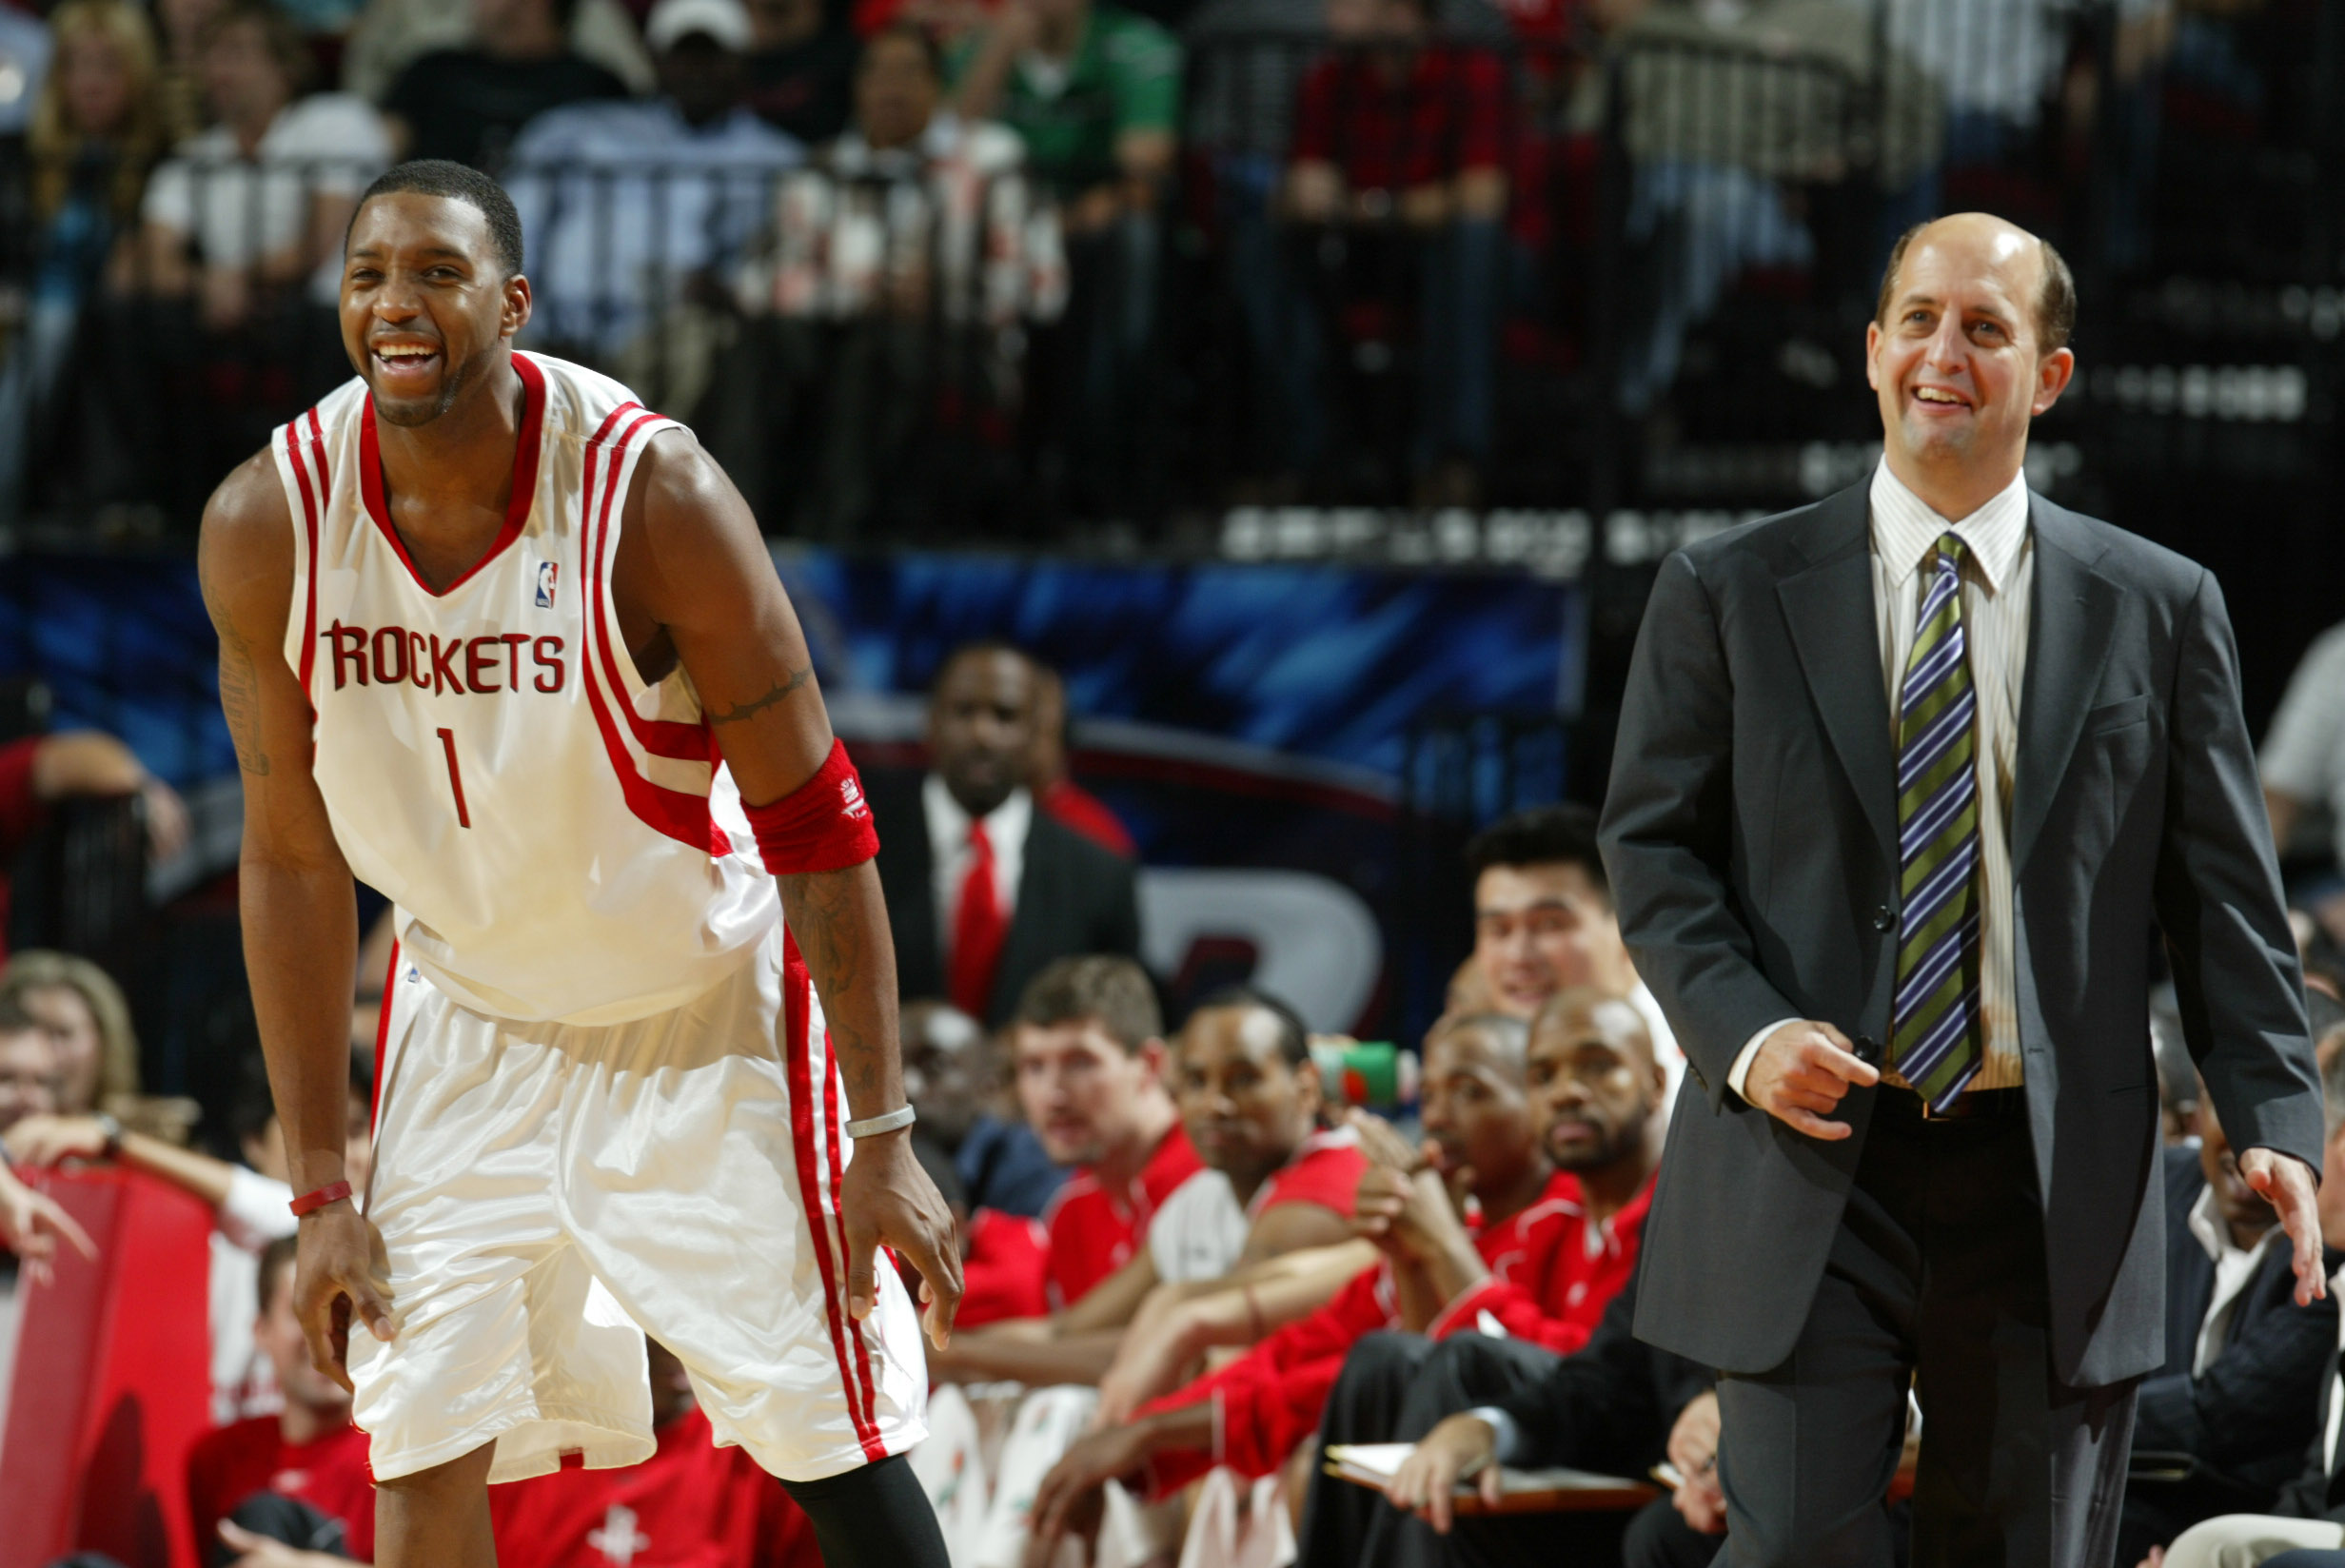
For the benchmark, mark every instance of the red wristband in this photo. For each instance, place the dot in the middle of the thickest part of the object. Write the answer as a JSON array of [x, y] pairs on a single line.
[[823, 825], [333, 1192]]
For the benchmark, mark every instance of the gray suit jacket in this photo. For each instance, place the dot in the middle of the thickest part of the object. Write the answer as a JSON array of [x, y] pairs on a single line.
[[1750, 832]]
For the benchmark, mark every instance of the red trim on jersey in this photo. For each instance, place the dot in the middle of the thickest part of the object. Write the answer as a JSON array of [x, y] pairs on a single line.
[[679, 815], [517, 508], [660, 737], [830, 1144], [382, 1036], [797, 1016], [309, 530]]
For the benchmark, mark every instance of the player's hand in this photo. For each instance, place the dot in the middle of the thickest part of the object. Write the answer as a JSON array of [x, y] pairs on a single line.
[[1151, 1363], [1459, 1449], [886, 1198], [44, 1140], [30, 1226], [339, 1272], [1800, 1074], [2286, 1184], [1072, 1496]]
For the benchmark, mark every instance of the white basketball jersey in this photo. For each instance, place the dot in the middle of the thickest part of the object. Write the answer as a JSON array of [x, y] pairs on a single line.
[[561, 840]]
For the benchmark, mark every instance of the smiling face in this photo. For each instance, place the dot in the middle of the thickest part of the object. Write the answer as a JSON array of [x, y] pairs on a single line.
[[1247, 1109], [63, 1014], [1956, 359], [1539, 929], [1589, 1069], [429, 312], [1474, 1103]]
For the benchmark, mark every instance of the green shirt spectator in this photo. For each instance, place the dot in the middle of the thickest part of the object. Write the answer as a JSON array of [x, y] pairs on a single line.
[[1095, 91]]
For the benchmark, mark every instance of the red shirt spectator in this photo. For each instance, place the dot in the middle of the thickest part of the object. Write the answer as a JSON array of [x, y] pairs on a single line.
[[1072, 806], [1006, 1273], [1092, 1231], [1551, 1275], [1441, 112], [692, 1504], [328, 1472]]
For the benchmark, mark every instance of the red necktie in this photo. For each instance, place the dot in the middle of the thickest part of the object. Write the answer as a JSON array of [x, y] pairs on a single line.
[[979, 927]]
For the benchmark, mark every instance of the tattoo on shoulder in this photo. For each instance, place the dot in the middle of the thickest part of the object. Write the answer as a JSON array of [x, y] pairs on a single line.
[[758, 705], [240, 687]]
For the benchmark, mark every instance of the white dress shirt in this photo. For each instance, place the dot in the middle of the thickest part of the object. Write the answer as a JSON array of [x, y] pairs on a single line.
[[948, 848], [1999, 568], [2234, 1265]]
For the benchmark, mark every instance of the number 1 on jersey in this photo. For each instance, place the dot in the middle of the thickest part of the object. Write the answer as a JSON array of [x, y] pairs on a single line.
[[456, 777]]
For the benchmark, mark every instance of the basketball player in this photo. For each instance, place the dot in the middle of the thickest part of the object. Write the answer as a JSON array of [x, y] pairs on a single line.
[[508, 647]]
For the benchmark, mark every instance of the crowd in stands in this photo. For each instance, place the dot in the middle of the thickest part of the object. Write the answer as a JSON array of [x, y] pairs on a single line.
[[1195, 1262], [824, 231]]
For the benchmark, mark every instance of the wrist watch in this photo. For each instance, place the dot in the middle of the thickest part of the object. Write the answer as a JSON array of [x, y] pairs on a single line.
[[110, 1131]]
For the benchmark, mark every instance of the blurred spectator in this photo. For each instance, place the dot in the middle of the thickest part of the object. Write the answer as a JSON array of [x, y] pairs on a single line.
[[467, 103], [248, 1205], [179, 26], [692, 1504], [98, 126], [801, 68], [244, 1480], [992, 892], [1544, 920], [1094, 93], [2237, 1398], [1732, 109], [25, 48], [1057, 793], [2303, 766], [909, 217], [1406, 137], [89, 1022], [392, 34], [948, 1077], [255, 207], [39, 771], [629, 206], [31, 1223], [27, 1067]]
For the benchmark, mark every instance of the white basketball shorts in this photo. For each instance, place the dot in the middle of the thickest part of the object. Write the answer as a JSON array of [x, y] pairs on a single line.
[[542, 1189]]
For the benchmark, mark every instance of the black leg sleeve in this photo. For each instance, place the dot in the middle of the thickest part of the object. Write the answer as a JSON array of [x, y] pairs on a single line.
[[874, 1516]]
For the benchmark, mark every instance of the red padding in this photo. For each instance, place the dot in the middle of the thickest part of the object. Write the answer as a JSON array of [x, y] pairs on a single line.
[[823, 825]]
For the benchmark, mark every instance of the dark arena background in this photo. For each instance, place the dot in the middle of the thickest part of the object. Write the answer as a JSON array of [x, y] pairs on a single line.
[[1319, 421]]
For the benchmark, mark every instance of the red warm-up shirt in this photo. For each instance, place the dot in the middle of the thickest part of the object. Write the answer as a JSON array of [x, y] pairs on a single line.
[[690, 1505], [1552, 1273], [1093, 1230], [230, 1463], [1007, 1272], [1445, 112]]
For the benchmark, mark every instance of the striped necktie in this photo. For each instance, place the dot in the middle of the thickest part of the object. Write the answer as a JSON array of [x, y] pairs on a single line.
[[1936, 1043]]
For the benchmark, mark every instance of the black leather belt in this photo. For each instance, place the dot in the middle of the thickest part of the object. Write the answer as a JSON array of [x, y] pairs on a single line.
[[1978, 1102]]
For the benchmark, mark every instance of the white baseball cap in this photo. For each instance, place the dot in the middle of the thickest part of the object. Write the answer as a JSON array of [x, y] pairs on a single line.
[[726, 21]]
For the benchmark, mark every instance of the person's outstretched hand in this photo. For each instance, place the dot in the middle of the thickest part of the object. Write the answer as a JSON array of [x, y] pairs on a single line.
[[1800, 1074], [2286, 1184], [30, 1226], [886, 1198]]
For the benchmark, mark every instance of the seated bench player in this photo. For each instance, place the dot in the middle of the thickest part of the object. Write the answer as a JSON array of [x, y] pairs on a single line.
[[1559, 1161]]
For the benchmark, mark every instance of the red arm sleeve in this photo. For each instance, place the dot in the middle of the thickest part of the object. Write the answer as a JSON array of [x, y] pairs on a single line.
[[1270, 1399]]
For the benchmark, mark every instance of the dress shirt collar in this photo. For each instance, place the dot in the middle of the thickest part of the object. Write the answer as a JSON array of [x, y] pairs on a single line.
[[1905, 530], [2206, 1222], [948, 821]]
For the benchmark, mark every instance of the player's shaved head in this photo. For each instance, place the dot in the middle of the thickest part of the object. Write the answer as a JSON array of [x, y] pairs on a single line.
[[1496, 1037]]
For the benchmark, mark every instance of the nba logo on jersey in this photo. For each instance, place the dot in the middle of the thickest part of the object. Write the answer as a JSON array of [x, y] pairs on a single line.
[[546, 584]]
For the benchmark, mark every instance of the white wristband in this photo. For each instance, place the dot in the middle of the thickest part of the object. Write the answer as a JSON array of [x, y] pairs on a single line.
[[871, 1127]]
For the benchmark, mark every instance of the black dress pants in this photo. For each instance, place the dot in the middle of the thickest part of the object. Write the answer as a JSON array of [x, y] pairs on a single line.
[[1397, 1387], [1936, 1278]]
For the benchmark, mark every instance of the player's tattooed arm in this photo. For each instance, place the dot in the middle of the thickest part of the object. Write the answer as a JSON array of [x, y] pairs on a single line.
[[240, 691], [779, 691]]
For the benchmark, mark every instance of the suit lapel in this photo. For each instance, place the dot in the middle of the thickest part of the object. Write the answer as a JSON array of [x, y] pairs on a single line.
[[1829, 608], [2071, 618]]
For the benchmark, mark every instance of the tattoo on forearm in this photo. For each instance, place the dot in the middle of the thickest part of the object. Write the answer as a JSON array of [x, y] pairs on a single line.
[[240, 688], [832, 937], [758, 705]]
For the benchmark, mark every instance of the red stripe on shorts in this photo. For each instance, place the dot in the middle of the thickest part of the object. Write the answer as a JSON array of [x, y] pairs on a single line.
[[854, 1328], [382, 1035], [796, 1016]]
